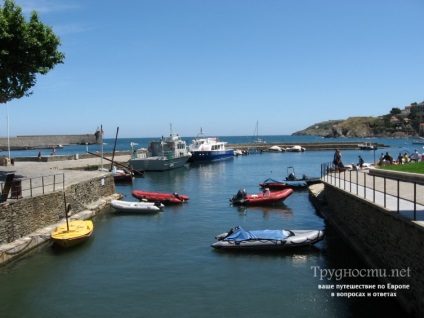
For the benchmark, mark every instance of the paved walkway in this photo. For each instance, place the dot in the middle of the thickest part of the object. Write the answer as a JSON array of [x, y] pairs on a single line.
[[405, 198], [43, 172], [44, 177]]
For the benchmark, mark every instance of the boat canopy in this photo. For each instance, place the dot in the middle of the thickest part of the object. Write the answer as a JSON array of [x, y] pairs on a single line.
[[238, 234]]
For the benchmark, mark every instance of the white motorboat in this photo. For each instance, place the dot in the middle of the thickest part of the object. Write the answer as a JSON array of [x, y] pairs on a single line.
[[239, 239], [296, 148], [209, 149], [367, 146], [238, 152], [138, 207], [276, 149]]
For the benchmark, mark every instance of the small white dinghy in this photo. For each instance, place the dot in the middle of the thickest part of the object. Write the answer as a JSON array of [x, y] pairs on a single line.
[[239, 239], [136, 207]]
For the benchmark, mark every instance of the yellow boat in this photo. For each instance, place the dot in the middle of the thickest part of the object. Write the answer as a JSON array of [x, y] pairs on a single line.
[[72, 233]]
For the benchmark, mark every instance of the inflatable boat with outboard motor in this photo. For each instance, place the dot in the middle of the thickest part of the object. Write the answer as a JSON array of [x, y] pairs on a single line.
[[239, 239]]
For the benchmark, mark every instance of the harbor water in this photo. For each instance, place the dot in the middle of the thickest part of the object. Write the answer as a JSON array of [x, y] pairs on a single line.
[[162, 265]]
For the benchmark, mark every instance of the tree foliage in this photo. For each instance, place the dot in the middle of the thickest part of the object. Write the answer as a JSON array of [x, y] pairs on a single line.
[[395, 111], [26, 49]]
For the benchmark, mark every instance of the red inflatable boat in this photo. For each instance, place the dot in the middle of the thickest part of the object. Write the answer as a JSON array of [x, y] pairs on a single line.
[[267, 197], [165, 198]]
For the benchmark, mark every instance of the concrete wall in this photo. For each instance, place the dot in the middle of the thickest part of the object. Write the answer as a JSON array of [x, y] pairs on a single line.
[[382, 238], [25, 216]]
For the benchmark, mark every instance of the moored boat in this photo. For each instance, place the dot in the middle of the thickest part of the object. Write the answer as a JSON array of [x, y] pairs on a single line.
[[168, 153], [367, 146], [256, 138], [291, 181], [419, 141], [164, 198], [72, 233], [136, 207], [276, 149], [209, 149], [122, 175], [296, 148], [240, 239], [267, 197]]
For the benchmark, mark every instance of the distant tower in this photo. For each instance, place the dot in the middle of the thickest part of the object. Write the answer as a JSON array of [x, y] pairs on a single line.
[[99, 136]]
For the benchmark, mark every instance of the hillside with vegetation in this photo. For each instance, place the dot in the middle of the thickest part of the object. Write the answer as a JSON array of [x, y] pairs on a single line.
[[397, 124]]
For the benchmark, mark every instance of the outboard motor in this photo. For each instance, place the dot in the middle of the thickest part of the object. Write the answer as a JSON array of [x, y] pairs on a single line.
[[241, 194]]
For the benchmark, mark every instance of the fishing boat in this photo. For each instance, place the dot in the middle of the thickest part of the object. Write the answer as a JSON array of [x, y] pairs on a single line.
[[266, 197], [164, 198], [168, 153], [136, 207], [209, 149], [72, 233], [240, 239]]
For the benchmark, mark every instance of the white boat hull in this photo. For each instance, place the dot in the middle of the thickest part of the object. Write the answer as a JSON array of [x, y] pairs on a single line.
[[136, 207], [299, 238]]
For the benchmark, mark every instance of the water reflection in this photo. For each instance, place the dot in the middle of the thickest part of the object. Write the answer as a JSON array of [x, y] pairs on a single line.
[[280, 210]]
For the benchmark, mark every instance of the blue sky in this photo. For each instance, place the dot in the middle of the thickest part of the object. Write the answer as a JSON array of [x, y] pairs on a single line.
[[222, 65]]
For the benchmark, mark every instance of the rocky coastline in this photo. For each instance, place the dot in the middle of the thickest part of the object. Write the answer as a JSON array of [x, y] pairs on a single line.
[[358, 127]]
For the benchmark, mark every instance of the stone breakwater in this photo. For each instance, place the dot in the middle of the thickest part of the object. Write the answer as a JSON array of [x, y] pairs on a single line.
[[309, 146], [46, 142]]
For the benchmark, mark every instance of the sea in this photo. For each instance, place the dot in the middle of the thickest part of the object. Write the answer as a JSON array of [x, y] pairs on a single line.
[[163, 265]]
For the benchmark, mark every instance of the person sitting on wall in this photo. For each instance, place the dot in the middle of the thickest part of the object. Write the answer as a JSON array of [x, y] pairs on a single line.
[[415, 156], [400, 158], [388, 158], [405, 158], [380, 161]]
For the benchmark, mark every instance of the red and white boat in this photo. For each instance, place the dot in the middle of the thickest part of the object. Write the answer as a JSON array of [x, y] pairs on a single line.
[[165, 198], [267, 197]]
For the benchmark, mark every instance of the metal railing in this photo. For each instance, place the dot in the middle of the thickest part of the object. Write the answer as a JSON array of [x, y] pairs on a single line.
[[31, 187], [394, 194]]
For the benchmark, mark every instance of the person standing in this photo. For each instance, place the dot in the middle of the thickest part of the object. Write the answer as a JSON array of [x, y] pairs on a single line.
[[337, 160], [361, 162]]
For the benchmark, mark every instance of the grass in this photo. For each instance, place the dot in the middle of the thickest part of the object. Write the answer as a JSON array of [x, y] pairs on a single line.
[[414, 167]]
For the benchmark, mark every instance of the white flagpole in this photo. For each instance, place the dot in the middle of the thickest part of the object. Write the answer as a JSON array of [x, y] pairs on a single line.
[[101, 158], [8, 139]]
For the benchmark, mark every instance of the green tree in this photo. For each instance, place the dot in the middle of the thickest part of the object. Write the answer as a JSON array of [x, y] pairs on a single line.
[[395, 111], [26, 49]]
